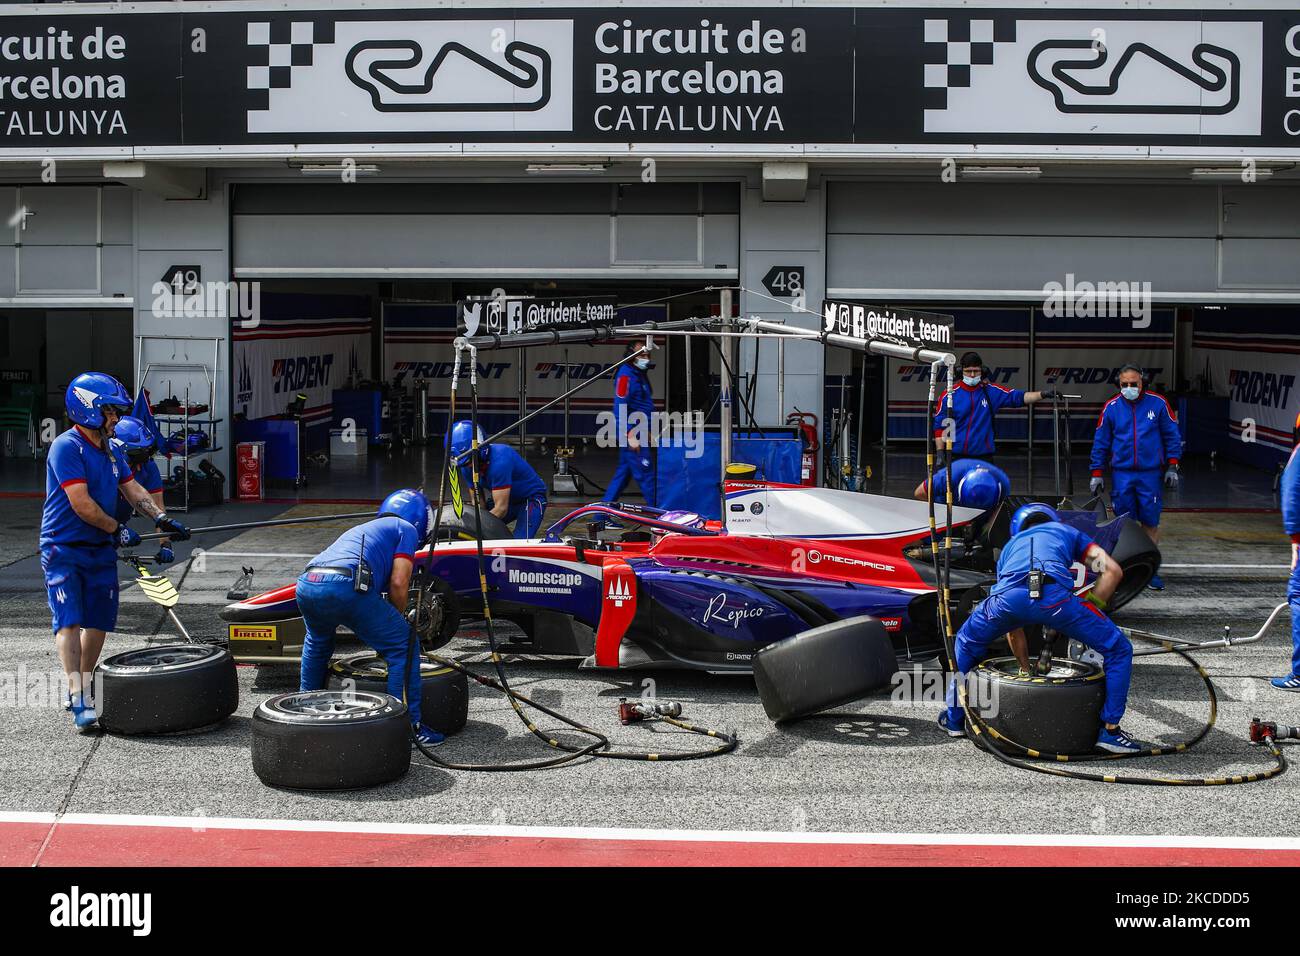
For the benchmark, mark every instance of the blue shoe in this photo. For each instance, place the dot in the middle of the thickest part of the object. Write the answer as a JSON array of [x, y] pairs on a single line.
[[83, 714], [1286, 683], [426, 737], [1117, 742], [1156, 584], [956, 728]]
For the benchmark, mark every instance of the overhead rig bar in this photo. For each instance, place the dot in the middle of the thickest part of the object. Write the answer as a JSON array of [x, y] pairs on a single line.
[[598, 333], [871, 346]]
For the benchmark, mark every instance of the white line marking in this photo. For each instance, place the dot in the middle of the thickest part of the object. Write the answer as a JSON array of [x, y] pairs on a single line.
[[1230, 567], [256, 554], [695, 836]]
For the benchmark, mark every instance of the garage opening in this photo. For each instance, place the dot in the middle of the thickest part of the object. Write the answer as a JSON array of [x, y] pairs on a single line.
[[346, 374]]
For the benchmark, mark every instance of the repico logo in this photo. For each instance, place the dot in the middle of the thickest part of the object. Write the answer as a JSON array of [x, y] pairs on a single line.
[[305, 371], [1002, 375], [1269, 389], [418, 370], [1089, 375]]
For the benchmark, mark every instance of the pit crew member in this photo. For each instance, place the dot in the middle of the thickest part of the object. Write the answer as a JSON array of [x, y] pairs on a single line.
[[134, 441], [345, 585], [517, 492], [978, 484], [1137, 438], [1041, 543], [1291, 522], [634, 408], [84, 475], [974, 403]]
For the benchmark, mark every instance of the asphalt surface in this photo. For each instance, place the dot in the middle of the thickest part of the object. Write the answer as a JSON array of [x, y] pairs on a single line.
[[879, 766]]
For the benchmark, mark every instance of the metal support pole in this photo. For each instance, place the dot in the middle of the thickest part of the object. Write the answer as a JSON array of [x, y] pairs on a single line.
[[780, 378], [523, 402], [568, 375], [690, 371], [726, 386]]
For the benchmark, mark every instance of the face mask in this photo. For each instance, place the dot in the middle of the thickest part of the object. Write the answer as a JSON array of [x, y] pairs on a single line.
[[642, 363], [972, 381], [1131, 392]]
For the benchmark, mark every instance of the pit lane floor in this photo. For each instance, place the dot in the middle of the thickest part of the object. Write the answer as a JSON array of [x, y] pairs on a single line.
[[867, 776]]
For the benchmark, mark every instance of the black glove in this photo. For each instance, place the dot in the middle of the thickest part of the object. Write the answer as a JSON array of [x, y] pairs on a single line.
[[165, 554], [1050, 393], [172, 527], [125, 537]]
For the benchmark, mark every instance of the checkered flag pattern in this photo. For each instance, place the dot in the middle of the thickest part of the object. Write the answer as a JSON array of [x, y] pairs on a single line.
[[275, 47], [955, 47]]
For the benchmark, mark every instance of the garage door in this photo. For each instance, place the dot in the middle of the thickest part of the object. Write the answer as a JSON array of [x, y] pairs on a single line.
[[487, 230]]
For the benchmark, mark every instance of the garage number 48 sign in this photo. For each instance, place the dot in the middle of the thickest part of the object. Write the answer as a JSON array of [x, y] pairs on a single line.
[[784, 282]]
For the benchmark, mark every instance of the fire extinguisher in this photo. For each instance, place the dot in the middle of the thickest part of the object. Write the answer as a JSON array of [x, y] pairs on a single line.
[[807, 423]]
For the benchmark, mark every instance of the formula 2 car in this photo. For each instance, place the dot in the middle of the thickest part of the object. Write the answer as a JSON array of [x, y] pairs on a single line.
[[677, 591]]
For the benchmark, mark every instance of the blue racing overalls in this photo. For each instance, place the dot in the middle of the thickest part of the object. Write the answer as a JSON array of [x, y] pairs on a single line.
[[1051, 548], [634, 407], [1291, 521], [78, 559], [973, 408], [506, 468], [1137, 440], [327, 599]]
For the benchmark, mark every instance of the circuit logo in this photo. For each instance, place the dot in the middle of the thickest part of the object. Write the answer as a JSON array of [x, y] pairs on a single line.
[[418, 370], [1001, 375], [1268, 389], [305, 371], [1089, 375]]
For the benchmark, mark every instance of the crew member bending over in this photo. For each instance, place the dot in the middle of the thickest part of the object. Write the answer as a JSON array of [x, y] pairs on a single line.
[[345, 585], [517, 492]]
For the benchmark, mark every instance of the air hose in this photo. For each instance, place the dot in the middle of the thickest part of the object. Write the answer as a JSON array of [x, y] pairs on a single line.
[[600, 745], [984, 736]]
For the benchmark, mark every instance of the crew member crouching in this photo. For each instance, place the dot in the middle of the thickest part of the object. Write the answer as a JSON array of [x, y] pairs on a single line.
[[132, 438], [1041, 543]]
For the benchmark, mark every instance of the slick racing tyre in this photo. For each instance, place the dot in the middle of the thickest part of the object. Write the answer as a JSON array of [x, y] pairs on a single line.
[[824, 667], [444, 691], [466, 527], [1056, 714], [166, 690], [330, 740], [1140, 560]]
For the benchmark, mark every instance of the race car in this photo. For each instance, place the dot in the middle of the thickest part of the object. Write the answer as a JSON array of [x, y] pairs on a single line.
[[675, 590]]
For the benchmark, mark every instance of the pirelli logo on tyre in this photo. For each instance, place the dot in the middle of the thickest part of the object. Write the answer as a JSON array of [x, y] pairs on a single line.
[[247, 632]]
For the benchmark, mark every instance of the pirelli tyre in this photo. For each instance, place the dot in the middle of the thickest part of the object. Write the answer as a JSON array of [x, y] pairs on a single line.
[[1059, 713], [169, 689], [1139, 558], [444, 691], [468, 525], [331, 740], [824, 667]]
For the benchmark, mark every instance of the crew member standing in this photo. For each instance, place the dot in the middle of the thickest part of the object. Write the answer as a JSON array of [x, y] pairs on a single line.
[[514, 490], [1137, 438], [84, 475], [1291, 522], [974, 403], [344, 585], [1039, 555], [634, 408], [134, 441]]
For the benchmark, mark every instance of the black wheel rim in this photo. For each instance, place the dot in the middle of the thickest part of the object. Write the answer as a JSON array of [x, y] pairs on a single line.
[[374, 667]]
